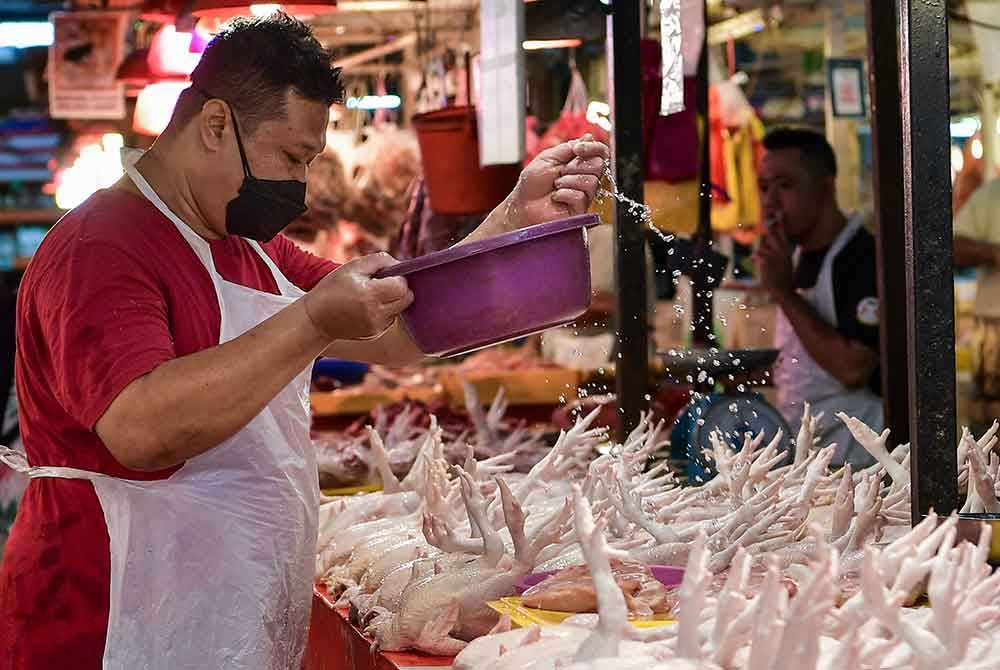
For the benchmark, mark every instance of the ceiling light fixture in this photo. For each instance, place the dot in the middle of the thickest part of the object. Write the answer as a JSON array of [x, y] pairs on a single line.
[[225, 9], [535, 45], [380, 5], [25, 34]]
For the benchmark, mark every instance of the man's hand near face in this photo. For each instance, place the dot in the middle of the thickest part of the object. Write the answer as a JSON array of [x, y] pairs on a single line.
[[774, 263], [849, 360]]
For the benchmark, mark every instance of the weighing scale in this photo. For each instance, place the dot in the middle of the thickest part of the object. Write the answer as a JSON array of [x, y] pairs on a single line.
[[733, 413]]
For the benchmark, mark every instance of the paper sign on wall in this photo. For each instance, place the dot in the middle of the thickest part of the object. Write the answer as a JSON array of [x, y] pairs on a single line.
[[83, 64], [846, 79], [501, 83], [985, 15]]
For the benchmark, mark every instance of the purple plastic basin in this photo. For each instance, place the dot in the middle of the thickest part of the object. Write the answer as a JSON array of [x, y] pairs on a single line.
[[496, 290], [667, 575]]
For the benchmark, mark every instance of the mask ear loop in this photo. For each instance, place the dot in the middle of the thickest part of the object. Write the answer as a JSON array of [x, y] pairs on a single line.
[[239, 143], [236, 130]]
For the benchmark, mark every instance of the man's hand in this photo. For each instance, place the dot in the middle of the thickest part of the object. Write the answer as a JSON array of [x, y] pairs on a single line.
[[349, 304], [774, 262], [559, 182]]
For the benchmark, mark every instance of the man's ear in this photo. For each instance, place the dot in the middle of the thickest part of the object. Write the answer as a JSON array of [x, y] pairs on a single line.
[[212, 120]]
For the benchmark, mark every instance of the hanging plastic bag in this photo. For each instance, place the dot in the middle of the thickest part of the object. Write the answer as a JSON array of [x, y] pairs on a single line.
[[572, 122]]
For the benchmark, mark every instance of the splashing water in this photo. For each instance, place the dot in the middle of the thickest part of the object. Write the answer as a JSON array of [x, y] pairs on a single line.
[[637, 210]]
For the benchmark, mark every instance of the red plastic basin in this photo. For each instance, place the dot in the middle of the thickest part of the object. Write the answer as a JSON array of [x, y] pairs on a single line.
[[492, 291]]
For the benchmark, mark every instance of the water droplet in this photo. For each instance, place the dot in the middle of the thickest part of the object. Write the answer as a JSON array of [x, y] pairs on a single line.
[[702, 376], [795, 360], [732, 408]]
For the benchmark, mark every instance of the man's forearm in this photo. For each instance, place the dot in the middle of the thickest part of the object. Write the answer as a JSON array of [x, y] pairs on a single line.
[[501, 220], [395, 349], [188, 405], [975, 253], [848, 361]]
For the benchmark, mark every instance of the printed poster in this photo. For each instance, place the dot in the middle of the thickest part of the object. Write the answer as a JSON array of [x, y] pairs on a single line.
[[83, 65]]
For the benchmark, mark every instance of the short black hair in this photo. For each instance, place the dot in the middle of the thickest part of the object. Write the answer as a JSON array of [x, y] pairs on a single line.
[[816, 151], [252, 62]]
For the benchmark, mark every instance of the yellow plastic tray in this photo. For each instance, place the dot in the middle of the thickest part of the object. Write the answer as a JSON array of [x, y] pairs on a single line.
[[523, 617], [352, 490], [525, 386]]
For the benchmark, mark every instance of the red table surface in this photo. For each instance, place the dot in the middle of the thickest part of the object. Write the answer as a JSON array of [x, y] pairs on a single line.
[[335, 644]]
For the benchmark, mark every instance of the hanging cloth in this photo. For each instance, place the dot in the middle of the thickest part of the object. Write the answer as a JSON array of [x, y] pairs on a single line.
[[741, 149]]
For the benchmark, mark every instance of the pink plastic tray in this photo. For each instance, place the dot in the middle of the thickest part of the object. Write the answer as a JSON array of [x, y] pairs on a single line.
[[668, 575]]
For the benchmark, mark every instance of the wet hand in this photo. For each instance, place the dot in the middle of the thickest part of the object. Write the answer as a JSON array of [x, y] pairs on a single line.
[[561, 181], [351, 304]]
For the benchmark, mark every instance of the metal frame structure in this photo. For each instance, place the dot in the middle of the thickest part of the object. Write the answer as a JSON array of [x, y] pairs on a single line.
[[887, 134], [908, 62], [702, 303], [625, 72]]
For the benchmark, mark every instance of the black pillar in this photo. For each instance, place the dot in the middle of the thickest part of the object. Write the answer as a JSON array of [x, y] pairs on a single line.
[[930, 319], [887, 144], [702, 277], [625, 86]]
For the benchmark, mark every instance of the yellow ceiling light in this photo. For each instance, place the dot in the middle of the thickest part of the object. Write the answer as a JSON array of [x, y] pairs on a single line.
[[534, 45]]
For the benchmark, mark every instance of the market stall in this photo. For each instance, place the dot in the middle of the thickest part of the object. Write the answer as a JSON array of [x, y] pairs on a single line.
[[768, 593]]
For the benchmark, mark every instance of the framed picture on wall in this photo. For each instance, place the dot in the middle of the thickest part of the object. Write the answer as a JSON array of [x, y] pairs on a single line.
[[846, 83]]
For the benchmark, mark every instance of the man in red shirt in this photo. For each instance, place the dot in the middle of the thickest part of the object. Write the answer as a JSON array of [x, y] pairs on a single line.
[[165, 335]]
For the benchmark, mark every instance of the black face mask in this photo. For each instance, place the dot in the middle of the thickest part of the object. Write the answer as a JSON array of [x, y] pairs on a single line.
[[263, 207]]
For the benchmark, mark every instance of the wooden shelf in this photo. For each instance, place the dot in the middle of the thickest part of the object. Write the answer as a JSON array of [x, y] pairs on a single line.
[[14, 217]]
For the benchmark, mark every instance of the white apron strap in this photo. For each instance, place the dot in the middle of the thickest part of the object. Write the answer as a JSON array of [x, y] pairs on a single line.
[[197, 242], [17, 461], [285, 287]]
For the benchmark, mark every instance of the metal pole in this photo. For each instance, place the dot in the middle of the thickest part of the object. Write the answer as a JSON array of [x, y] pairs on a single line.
[[624, 84], [702, 317], [887, 141], [930, 322]]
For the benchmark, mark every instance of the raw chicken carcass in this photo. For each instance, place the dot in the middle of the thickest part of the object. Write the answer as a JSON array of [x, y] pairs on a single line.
[[572, 590]]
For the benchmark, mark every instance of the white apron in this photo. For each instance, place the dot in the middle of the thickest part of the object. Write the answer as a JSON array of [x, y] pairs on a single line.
[[213, 567], [799, 378]]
